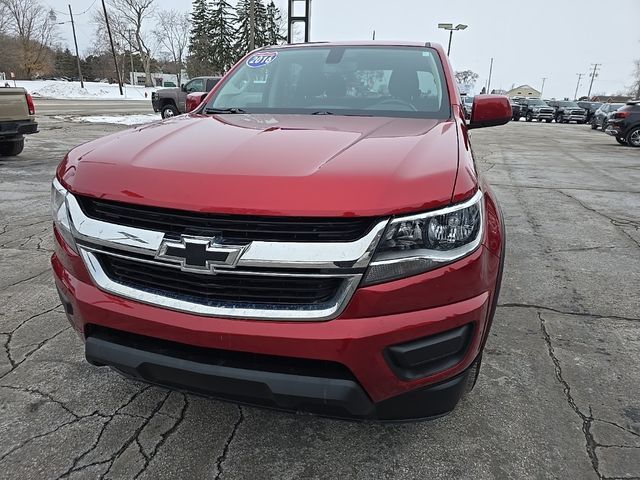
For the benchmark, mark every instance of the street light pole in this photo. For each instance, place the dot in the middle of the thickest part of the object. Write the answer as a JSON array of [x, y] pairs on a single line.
[[451, 29], [75, 41]]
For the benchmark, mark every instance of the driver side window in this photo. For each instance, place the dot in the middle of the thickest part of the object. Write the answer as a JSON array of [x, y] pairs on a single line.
[[196, 85]]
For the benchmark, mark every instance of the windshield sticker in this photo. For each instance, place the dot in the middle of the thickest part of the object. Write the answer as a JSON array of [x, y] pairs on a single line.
[[260, 60]]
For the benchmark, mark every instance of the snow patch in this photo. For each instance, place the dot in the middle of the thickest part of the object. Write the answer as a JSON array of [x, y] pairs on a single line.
[[91, 91], [113, 119]]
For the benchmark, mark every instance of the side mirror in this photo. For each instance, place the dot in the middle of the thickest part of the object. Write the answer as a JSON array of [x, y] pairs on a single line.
[[490, 111], [194, 100], [183, 87]]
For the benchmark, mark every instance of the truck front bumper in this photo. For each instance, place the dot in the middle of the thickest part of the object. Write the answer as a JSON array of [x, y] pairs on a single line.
[[401, 350]]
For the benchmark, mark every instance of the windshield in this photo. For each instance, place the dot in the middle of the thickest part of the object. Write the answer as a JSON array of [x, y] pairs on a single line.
[[615, 106], [536, 101], [569, 104], [371, 81], [468, 99]]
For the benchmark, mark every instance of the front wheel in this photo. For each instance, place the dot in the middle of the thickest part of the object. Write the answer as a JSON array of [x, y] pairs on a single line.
[[594, 125], [169, 111], [621, 140], [604, 125], [633, 137], [548, 120], [11, 149], [529, 117], [559, 119]]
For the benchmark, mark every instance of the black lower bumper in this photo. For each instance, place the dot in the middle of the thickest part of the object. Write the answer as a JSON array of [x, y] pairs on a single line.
[[12, 130], [281, 388]]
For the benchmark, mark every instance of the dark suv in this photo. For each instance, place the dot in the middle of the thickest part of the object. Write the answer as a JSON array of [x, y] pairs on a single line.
[[567, 111], [535, 109], [602, 114], [624, 124]]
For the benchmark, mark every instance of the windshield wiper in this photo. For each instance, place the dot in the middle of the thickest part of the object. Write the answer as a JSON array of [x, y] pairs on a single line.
[[323, 112], [224, 110]]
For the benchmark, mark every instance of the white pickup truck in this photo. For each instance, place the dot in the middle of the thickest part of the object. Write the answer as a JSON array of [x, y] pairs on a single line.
[[17, 119]]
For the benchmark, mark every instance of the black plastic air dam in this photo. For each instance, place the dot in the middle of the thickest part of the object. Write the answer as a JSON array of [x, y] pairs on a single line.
[[333, 397]]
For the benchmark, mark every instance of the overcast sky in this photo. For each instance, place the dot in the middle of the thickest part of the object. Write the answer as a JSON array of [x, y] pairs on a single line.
[[528, 40]]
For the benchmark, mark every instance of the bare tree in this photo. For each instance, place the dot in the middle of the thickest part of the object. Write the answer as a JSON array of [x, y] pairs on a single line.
[[34, 27], [128, 20], [635, 86], [4, 17], [172, 33]]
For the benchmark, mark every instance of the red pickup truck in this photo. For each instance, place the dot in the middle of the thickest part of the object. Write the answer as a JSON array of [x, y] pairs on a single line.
[[314, 236]]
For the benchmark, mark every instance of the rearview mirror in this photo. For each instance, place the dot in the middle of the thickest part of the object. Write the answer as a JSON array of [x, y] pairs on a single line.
[[194, 100], [183, 87], [490, 111]]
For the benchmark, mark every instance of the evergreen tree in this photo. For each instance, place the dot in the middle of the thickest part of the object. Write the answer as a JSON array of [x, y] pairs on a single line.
[[273, 30], [200, 60], [242, 33], [222, 31]]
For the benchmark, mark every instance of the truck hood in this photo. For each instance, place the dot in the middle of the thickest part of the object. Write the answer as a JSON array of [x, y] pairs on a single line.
[[273, 165]]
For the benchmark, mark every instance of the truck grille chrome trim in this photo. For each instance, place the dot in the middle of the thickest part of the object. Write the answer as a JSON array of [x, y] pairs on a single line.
[[324, 255], [263, 311], [338, 268]]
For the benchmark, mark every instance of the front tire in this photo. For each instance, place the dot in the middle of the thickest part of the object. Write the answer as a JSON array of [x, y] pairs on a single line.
[[548, 120], [12, 148], [594, 125], [472, 376], [529, 117], [633, 137], [604, 124], [169, 110], [559, 119], [621, 140]]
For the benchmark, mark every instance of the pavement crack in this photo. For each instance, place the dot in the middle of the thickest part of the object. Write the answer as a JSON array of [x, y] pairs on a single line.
[[222, 458], [45, 395], [616, 222], [6, 287], [564, 312], [587, 420], [164, 437]]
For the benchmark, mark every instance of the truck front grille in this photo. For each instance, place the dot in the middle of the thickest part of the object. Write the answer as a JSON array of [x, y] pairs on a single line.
[[233, 228], [223, 289]]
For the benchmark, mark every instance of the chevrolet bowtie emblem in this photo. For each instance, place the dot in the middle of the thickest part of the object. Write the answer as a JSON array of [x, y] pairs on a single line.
[[199, 254]]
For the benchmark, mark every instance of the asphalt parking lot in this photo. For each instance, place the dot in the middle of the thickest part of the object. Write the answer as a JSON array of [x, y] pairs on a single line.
[[558, 395]]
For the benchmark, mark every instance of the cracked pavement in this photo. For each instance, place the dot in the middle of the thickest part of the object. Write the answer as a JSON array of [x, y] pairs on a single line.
[[558, 395]]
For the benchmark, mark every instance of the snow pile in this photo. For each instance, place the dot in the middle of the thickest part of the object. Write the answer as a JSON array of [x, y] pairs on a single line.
[[91, 91], [115, 119]]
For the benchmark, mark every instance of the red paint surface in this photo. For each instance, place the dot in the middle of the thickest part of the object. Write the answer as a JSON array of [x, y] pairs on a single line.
[[308, 166]]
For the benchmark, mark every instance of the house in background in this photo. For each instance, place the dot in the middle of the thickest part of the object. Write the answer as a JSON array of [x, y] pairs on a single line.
[[523, 91], [611, 98]]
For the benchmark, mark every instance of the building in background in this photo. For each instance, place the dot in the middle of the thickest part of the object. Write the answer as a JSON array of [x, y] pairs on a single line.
[[159, 79], [523, 91]]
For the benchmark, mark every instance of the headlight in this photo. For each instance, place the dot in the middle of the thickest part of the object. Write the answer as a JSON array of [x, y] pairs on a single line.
[[60, 213], [418, 243]]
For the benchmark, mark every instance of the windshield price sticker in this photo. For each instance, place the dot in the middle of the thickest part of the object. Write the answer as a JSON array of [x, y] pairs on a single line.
[[260, 60]]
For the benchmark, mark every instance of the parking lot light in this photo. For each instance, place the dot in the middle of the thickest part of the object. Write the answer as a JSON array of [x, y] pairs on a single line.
[[451, 29]]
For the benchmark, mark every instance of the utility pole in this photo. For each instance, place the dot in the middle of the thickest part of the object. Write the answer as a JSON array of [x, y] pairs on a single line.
[[544, 79], [490, 72], [252, 25], [75, 41], [575, 94], [131, 76], [113, 49], [594, 74], [374, 35]]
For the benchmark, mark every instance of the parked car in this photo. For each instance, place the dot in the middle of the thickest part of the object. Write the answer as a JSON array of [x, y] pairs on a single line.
[[590, 108], [624, 124], [535, 109], [602, 114], [515, 110], [171, 101], [467, 104], [567, 111], [305, 246], [17, 119]]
